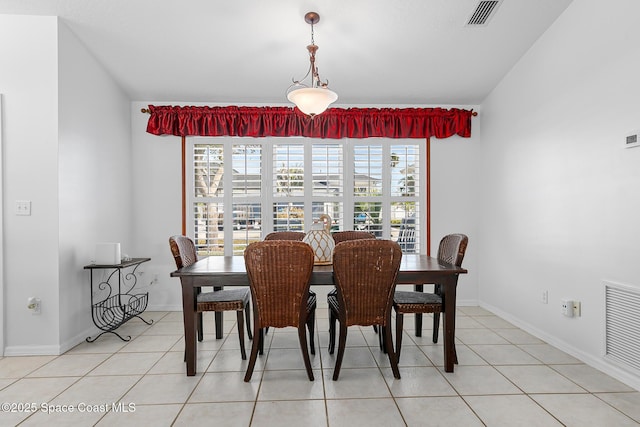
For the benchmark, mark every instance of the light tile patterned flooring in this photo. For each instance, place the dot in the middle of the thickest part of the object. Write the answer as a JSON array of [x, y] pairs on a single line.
[[506, 377]]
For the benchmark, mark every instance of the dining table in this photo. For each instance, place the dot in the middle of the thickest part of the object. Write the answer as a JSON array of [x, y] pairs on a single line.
[[221, 271]]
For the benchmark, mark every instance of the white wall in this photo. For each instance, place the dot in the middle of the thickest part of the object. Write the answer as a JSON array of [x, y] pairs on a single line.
[[559, 191], [157, 202], [157, 207], [29, 82], [95, 177], [455, 186], [67, 149]]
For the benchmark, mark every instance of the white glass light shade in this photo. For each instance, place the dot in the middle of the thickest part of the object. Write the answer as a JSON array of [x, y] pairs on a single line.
[[312, 100]]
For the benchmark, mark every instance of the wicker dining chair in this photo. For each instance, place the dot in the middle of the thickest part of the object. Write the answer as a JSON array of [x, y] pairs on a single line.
[[237, 299], [312, 301], [451, 250], [365, 274], [279, 272], [285, 235], [343, 236]]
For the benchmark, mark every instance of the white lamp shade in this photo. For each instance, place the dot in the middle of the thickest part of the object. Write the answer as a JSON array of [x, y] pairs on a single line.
[[312, 100]]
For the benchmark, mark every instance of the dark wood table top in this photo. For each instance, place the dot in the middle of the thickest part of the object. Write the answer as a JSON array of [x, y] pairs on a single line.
[[232, 269]]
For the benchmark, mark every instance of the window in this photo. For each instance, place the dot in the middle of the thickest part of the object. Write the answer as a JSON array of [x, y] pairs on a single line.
[[282, 184]]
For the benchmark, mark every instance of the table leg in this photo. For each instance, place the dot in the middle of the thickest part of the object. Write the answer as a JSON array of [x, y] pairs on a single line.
[[190, 324], [449, 284], [418, 316]]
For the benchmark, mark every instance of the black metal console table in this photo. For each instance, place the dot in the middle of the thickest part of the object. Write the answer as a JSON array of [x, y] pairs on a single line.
[[115, 308]]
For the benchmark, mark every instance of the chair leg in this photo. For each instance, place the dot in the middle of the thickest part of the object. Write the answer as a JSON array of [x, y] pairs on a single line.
[[332, 331], [436, 327], [399, 326], [341, 345], [247, 312], [241, 334], [261, 340], [393, 359], [255, 346], [418, 317], [381, 341], [200, 333], [437, 289], [302, 337], [311, 320]]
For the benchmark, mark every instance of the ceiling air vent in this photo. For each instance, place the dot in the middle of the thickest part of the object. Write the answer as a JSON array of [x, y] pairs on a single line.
[[484, 11]]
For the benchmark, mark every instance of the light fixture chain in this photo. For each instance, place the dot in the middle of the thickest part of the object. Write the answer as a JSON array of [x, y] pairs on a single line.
[[312, 41]]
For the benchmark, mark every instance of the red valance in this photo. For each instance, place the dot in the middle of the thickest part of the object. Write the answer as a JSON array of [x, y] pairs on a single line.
[[335, 123]]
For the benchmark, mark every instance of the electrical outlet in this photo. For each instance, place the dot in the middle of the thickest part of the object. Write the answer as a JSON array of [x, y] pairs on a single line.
[[33, 304], [566, 308], [544, 297]]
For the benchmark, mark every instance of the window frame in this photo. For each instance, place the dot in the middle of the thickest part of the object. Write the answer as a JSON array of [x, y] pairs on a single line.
[[266, 198]]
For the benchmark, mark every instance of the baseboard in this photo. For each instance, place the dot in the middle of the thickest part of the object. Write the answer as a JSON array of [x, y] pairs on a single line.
[[600, 364], [78, 339], [32, 350], [50, 350], [169, 307]]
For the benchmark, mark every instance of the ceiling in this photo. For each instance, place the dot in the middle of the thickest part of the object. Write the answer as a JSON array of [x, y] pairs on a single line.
[[373, 52]]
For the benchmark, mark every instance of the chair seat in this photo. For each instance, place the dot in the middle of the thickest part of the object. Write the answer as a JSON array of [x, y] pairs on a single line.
[[223, 300], [417, 302]]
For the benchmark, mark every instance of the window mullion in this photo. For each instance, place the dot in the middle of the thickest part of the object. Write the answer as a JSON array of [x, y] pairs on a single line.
[[422, 214], [386, 190], [267, 193], [349, 169], [227, 179], [308, 185]]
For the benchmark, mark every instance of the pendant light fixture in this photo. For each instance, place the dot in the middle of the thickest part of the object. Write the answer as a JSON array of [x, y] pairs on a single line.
[[315, 97]]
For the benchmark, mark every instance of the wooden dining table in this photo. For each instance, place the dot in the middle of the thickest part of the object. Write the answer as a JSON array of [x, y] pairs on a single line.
[[220, 271]]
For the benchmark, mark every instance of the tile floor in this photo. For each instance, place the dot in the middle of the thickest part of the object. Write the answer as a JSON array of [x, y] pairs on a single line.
[[506, 377]]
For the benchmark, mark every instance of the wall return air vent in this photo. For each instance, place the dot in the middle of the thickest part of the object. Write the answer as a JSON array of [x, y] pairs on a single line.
[[483, 13], [622, 325]]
